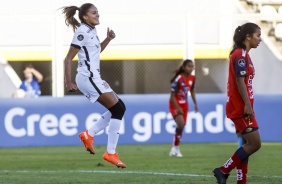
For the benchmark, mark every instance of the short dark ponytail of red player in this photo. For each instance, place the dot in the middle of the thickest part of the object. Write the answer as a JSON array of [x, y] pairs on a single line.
[[180, 70], [240, 34]]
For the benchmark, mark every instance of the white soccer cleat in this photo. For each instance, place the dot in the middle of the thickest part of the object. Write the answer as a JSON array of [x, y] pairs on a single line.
[[175, 152]]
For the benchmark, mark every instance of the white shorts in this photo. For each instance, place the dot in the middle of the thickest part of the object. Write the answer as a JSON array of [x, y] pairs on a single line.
[[92, 88]]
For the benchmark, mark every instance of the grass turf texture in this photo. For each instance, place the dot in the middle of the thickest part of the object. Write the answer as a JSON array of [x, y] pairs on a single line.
[[145, 164]]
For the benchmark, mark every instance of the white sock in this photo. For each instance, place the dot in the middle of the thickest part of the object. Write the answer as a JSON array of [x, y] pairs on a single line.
[[102, 123], [113, 135]]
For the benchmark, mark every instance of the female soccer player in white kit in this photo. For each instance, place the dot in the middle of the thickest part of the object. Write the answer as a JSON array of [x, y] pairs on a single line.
[[86, 44]]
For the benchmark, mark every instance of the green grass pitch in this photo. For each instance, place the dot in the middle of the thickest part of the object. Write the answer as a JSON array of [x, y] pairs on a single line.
[[145, 164]]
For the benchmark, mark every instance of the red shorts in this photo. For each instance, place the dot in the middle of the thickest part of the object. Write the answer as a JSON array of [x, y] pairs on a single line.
[[245, 126], [174, 113]]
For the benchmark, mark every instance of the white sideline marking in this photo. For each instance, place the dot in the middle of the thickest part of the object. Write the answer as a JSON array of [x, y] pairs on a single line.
[[102, 171], [119, 172]]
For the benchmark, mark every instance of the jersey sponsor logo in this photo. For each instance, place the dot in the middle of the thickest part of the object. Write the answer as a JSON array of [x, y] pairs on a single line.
[[251, 92], [80, 37], [250, 80], [241, 62], [243, 72], [106, 85]]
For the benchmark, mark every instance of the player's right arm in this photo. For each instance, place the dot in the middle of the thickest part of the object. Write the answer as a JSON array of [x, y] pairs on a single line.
[[244, 95], [71, 87], [174, 88], [79, 40], [240, 65]]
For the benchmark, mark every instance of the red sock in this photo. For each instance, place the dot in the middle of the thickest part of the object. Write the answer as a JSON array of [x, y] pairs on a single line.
[[242, 171], [177, 137], [234, 161]]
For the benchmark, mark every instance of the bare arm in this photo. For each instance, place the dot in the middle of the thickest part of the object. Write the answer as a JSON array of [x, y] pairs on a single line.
[[244, 95], [193, 95], [37, 74], [104, 44], [174, 102], [68, 60], [110, 35]]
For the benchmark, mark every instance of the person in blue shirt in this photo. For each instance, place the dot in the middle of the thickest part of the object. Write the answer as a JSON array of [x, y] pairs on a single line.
[[31, 82]]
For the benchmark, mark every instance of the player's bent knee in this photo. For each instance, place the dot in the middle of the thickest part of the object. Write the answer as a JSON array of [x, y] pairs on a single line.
[[123, 105], [180, 126], [258, 145], [117, 111]]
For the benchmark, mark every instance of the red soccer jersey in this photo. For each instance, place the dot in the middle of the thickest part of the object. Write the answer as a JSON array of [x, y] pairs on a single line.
[[180, 87], [240, 65]]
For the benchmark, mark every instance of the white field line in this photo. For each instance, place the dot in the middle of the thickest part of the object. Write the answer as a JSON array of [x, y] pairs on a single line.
[[118, 172], [102, 171]]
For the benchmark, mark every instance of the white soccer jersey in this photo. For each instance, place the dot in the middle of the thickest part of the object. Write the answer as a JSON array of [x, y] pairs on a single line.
[[86, 39]]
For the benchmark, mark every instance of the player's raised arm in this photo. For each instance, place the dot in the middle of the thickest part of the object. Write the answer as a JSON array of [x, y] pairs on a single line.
[[110, 35]]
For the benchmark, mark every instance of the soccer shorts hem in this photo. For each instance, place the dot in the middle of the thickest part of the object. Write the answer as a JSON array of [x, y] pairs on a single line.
[[245, 126], [92, 88]]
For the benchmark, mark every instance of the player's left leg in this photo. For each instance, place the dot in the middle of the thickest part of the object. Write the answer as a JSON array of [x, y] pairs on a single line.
[[103, 122], [242, 169], [180, 123], [117, 109], [250, 133]]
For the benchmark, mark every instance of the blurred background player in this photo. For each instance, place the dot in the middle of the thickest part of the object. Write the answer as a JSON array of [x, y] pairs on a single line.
[[30, 87], [86, 44], [182, 82], [239, 106]]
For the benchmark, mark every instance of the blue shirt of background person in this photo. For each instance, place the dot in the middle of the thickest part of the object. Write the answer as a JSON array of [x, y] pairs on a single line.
[[31, 83]]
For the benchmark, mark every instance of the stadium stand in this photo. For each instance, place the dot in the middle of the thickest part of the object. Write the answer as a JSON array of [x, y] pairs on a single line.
[[280, 10], [270, 10], [278, 32]]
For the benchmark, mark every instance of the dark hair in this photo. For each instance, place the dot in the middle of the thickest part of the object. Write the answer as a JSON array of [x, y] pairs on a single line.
[[28, 66], [69, 12], [240, 35], [181, 70]]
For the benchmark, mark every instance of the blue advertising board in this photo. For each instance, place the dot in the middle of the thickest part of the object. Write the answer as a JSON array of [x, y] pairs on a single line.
[[48, 121]]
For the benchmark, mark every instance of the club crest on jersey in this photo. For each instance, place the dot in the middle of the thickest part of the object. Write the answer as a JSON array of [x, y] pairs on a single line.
[[80, 37], [241, 62]]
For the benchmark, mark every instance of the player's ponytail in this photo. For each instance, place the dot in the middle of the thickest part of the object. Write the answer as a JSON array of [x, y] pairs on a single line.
[[70, 11], [240, 34], [180, 70]]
